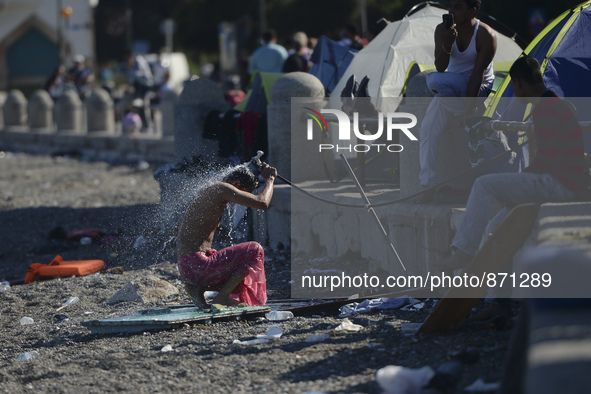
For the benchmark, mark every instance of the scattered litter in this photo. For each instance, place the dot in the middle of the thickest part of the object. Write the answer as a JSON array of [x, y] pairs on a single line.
[[377, 303], [317, 337], [395, 379], [413, 307], [57, 319], [140, 242], [272, 334], [251, 341], [479, 386], [348, 326], [446, 377], [71, 301], [167, 348], [279, 315], [143, 165], [410, 328], [28, 356], [85, 241], [26, 320], [4, 286], [115, 270]]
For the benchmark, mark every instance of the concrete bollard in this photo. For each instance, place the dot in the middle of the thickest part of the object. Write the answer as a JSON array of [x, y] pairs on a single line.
[[167, 102], [15, 109], [99, 112], [41, 111], [296, 84], [453, 156], [198, 98], [68, 112], [2, 101]]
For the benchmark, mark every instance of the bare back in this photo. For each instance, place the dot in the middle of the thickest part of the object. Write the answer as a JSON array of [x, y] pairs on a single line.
[[197, 227], [199, 223]]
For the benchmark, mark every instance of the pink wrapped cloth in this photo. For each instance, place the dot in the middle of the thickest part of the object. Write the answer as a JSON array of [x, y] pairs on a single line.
[[215, 267]]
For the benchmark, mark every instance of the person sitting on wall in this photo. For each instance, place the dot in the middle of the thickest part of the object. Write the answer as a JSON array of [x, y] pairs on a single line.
[[463, 58], [557, 172], [236, 272]]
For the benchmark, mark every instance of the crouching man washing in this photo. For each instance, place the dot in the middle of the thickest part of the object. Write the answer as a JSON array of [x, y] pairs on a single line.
[[236, 272]]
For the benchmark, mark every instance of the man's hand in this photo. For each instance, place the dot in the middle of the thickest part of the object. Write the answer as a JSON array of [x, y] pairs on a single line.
[[449, 37], [268, 172]]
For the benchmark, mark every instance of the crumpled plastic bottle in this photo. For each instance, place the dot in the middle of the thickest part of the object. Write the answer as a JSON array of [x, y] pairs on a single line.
[[28, 356], [4, 286], [279, 315], [71, 301]]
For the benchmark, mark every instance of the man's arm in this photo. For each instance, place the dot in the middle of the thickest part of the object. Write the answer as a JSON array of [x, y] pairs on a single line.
[[444, 41], [486, 47], [262, 200]]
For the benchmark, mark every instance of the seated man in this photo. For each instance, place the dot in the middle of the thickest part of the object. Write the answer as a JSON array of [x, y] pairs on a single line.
[[236, 272], [465, 50], [557, 172]]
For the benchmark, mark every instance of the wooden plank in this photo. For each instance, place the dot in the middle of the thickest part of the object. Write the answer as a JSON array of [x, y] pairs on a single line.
[[494, 255], [170, 317]]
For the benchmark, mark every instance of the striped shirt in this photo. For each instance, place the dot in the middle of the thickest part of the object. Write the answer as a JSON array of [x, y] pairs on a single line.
[[559, 143]]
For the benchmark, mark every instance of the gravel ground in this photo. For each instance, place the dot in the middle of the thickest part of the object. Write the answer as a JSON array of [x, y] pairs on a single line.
[[40, 193]]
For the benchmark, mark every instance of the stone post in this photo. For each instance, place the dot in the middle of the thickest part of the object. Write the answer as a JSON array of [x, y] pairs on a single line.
[[453, 155], [296, 84], [15, 109], [41, 111], [2, 101], [167, 102], [68, 112], [99, 112], [198, 98]]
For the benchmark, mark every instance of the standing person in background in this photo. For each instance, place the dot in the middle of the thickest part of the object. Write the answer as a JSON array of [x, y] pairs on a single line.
[[269, 57], [139, 74], [55, 83], [81, 75]]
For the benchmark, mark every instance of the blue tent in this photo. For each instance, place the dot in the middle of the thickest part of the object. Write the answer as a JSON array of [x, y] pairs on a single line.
[[563, 50], [330, 61]]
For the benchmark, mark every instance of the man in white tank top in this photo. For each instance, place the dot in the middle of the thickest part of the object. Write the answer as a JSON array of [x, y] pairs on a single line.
[[466, 51]]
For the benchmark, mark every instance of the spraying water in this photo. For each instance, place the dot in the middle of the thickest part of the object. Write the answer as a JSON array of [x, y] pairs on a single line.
[[181, 188]]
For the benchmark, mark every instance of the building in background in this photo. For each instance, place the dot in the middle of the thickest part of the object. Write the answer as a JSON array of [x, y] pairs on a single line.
[[36, 36]]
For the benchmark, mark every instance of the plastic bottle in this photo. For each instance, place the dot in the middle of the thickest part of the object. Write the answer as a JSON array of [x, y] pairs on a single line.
[[279, 315], [4, 286], [28, 356], [26, 320], [71, 301]]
